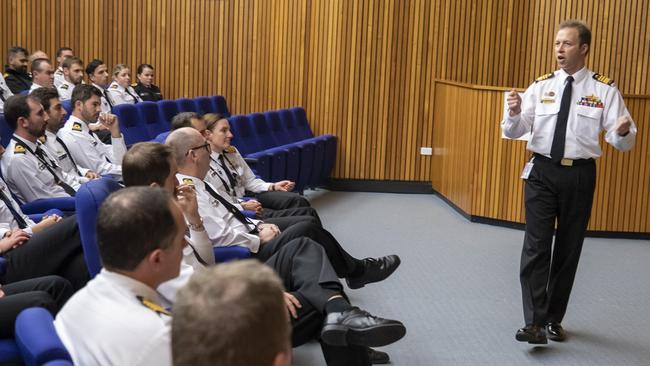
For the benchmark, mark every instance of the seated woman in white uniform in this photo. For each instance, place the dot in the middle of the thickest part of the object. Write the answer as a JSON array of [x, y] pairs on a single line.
[[120, 89]]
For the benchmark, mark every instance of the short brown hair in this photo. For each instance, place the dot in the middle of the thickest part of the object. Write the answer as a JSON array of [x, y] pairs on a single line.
[[145, 163], [230, 314], [68, 62], [584, 33]]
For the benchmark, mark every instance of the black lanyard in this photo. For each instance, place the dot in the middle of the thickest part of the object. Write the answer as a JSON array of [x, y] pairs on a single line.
[[233, 210], [41, 158]]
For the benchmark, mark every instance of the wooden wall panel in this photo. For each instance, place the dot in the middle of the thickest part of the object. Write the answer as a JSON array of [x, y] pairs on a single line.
[[479, 171]]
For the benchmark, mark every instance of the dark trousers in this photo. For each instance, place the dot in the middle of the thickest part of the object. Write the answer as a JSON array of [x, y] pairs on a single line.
[[553, 193], [54, 251], [304, 212], [49, 292], [283, 222], [307, 274], [280, 200], [343, 263]]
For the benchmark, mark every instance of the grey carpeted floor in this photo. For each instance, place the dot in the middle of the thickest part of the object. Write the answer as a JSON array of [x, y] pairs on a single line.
[[457, 290]]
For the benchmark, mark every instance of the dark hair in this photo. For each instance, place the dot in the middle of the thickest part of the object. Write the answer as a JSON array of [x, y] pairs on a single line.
[[15, 107], [36, 64], [68, 62], [584, 33], [83, 92], [44, 95], [13, 51], [141, 68], [184, 119], [145, 163], [59, 52], [132, 223], [93, 65]]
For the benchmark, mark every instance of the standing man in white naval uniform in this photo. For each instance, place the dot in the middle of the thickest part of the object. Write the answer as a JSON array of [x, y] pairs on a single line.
[[565, 112]]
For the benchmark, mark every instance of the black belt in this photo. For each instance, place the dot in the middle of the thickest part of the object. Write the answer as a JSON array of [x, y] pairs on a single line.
[[564, 162]]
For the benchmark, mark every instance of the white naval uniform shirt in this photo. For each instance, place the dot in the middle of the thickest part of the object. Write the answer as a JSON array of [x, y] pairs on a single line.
[[88, 151], [59, 78], [595, 106], [222, 227], [244, 176], [65, 90], [56, 150], [7, 220], [105, 323], [28, 177], [4, 91], [106, 107], [119, 95], [34, 87]]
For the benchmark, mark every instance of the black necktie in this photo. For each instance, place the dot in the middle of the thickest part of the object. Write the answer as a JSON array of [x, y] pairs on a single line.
[[233, 210], [2, 95], [231, 178], [559, 137], [135, 100], [58, 139], [108, 99], [17, 216], [44, 159]]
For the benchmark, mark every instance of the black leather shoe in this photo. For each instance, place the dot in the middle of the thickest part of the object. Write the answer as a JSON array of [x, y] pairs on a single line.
[[378, 357], [374, 270], [555, 332], [532, 334], [358, 327]]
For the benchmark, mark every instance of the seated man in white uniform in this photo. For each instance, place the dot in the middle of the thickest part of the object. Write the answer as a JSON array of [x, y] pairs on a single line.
[[42, 74], [85, 147], [29, 170], [52, 143], [73, 75], [117, 318]]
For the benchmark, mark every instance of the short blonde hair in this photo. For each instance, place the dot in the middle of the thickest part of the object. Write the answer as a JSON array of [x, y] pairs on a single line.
[[118, 68]]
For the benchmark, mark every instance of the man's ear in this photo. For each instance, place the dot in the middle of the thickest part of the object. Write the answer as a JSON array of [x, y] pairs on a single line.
[[584, 48], [154, 185], [154, 258], [282, 358], [22, 122]]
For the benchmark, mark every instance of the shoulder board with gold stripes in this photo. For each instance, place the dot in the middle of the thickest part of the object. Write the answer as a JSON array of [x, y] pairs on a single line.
[[603, 79], [545, 77]]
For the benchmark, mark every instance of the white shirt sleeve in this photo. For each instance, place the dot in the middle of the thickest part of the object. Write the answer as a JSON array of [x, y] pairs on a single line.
[[248, 178], [94, 155], [615, 108], [516, 126]]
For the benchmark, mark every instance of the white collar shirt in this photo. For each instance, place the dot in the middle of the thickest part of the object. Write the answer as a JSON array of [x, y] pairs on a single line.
[[88, 151], [222, 227], [7, 220], [245, 179], [59, 77], [29, 177], [108, 323], [56, 149], [34, 87], [121, 95], [106, 106], [5, 92], [595, 106], [65, 90]]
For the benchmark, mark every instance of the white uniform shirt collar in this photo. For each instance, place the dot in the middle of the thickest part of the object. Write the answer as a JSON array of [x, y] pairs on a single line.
[[578, 76], [98, 87], [49, 135], [119, 87], [84, 126], [132, 285], [29, 144], [197, 182]]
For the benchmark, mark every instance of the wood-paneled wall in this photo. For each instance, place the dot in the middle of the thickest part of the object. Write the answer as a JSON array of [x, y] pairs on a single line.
[[363, 69], [479, 171]]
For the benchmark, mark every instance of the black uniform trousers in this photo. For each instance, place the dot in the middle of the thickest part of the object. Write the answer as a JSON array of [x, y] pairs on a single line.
[[553, 193], [343, 263], [307, 274], [54, 251], [49, 292], [280, 200], [305, 212]]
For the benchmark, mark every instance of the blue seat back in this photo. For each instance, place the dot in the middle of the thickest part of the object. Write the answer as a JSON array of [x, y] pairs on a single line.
[[219, 105], [37, 339], [150, 115], [131, 124], [167, 109], [5, 131], [67, 105], [300, 118], [88, 200], [9, 352], [261, 131], [204, 105], [185, 105], [244, 139], [162, 137], [279, 134]]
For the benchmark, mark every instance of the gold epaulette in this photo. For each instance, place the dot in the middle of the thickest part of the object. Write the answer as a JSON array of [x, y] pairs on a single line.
[[76, 126], [19, 149], [603, 79], [230, 149], [153, 306], [545, 77], [134, 84], [188, 181], [5, 75]]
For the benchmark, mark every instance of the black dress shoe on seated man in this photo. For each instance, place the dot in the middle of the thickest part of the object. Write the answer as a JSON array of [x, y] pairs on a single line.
[[378, 357], [532, 334], [358, 327], [555, 332], [374, 270]]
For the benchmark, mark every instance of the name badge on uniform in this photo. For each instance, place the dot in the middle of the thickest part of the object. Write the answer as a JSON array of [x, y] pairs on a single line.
[[527, 169], [62, 156], [548, 97]]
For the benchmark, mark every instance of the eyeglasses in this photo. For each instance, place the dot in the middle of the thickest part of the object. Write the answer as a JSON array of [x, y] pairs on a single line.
[[205, 146]]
